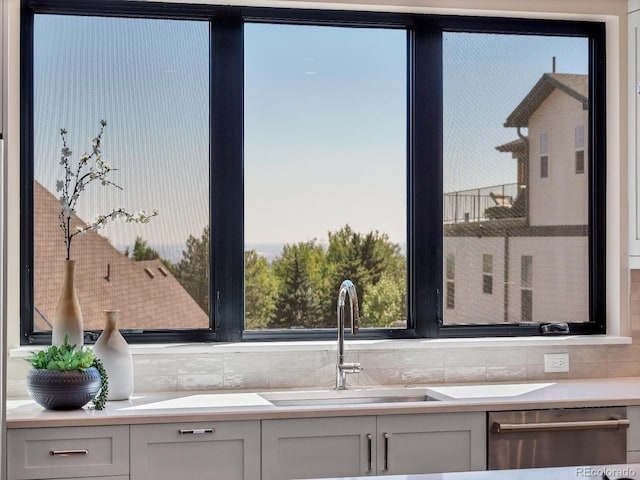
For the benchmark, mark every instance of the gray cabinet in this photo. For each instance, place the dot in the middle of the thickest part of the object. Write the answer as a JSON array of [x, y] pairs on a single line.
[[431, 443], [633, 435], [318, 447], [68, 452], [228, 450], [634, 139], [383, 445]]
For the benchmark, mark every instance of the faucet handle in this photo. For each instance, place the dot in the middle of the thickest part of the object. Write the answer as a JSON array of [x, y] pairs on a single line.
[[352, 367]]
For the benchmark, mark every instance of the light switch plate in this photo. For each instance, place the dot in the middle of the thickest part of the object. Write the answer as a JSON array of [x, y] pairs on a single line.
[[556, 362]]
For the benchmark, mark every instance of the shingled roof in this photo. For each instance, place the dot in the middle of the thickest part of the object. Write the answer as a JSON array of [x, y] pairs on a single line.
[[574, 85], [515, 146], [145, 293]]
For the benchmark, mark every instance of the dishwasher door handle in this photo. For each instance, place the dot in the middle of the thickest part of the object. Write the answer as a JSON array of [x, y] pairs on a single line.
[[555, 426]]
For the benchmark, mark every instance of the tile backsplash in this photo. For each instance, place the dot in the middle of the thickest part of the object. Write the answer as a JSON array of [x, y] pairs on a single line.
[[301, 368]]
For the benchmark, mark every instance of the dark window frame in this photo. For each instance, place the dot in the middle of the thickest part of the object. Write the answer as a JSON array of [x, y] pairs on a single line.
[[424, 148]]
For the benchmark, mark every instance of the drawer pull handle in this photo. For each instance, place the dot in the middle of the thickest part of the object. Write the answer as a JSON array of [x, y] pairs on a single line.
[[68, 453], [385, 435], [369, 453], [550, 426], [196, 431]]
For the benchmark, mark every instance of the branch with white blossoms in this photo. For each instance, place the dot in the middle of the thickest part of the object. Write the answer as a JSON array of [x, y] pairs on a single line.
[[90, 168], [102, 220]]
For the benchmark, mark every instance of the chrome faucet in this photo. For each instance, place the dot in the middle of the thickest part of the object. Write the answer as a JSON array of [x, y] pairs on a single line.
[[342, 368]]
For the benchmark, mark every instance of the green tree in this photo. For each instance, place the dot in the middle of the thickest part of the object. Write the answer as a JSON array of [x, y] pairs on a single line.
[[260, 291], [193, 271], [141, 251], [299, 275], [364, 259], [385, 305]]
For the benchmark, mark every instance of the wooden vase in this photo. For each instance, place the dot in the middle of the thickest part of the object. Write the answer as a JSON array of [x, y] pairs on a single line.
[[67, 320], [114, 351]]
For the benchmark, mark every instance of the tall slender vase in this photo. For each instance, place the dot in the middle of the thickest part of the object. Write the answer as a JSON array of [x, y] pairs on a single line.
[[113, 350], [67, 319]]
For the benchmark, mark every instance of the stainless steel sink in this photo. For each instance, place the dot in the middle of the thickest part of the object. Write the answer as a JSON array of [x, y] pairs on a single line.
[[345, 397]]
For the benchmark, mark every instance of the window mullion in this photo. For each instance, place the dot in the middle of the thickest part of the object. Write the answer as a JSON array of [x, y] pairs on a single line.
[[227, 201], [425, 189]]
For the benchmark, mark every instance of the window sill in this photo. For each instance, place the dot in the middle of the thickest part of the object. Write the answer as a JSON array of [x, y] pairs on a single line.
[[271, 347]]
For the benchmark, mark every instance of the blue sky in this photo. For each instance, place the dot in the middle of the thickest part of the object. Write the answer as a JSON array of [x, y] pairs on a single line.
[[325, 124]]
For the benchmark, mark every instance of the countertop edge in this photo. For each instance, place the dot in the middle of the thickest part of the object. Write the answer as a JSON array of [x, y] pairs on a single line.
[[561, 394]]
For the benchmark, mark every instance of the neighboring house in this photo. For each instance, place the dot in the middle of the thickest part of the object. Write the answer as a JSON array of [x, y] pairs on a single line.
[[145, 293], [526, 258]]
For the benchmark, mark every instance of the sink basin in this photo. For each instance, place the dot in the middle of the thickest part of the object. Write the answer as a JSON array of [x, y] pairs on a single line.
[[345, 397]]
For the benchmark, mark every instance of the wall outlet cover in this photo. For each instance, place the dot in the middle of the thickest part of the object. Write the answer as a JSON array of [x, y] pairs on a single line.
[[556, 362]]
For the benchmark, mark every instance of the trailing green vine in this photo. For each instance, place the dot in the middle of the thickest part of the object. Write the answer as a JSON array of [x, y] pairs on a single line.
[[100, 400]]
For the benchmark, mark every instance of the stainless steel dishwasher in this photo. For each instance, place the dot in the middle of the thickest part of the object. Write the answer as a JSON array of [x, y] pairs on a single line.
[[557, 437]]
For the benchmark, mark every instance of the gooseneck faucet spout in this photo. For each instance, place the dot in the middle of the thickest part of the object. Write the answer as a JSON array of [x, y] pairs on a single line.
[[342, 368]]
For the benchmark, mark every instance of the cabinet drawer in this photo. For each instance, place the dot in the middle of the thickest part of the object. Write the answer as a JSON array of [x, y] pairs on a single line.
[[220, 450], [68, 452]]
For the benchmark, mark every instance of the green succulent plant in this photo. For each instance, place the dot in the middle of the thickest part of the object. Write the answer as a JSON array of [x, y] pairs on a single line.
[[68, 357], [63, 357]]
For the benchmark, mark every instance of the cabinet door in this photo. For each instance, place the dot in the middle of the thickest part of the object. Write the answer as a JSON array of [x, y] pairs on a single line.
[[37, 453], [633, 435], [431, 443], [196, 451], [318, 447], [634, 139]]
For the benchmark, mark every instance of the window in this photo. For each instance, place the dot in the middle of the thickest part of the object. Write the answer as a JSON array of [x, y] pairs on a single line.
[[544, 155], [315, 135], [451, 284], [487, 274], [526, 284], [579, 144], [287, 150]]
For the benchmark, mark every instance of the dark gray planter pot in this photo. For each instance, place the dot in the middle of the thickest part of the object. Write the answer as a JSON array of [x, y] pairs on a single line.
[[63, 389]]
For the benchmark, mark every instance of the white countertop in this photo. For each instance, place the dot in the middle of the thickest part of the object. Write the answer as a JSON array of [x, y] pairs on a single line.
[[613, 472], [239, 405]]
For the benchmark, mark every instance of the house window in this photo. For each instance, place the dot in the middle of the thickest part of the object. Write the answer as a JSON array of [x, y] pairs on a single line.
[[156, 139], [289, 149], [487, 273], [451, 285], [544, 155], [296, 123], [579, 146], [526, 285], [514, 208]]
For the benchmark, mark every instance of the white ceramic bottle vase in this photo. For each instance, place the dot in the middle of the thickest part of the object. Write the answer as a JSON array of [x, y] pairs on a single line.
[[113, 350]]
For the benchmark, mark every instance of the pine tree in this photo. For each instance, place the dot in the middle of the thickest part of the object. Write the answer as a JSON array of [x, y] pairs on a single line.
[[193, 270], [298, 300]]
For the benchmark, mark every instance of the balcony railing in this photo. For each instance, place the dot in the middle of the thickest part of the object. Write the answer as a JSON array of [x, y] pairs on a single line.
[[467, 206]]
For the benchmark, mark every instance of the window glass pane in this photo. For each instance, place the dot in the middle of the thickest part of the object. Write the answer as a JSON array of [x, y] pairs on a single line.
[[580, 137], [487, 263], [526, 307], [544, 166], [544, 143], [451, 267], [451, 295], [580, 161], [325, 174], [526, 271], [510, 187], [149, 79]]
